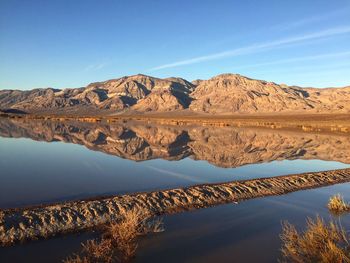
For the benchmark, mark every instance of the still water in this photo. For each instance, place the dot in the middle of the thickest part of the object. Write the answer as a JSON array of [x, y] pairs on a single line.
[[244, 232], [46, 161]]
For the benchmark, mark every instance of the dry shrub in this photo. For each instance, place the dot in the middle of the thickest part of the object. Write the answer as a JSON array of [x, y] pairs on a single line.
[[134, 223], [94, 251], [337, 205], [320, 242], [2, 216], [119, 240]]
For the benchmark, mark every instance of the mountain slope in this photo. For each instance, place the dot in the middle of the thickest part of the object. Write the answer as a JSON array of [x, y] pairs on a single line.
[[222, 94], [108, 96], [231, 93]]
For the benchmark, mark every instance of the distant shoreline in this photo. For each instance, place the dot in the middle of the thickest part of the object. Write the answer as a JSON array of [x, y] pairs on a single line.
[[304, 122]]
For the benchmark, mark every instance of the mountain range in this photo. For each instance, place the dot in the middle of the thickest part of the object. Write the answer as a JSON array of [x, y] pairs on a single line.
[[222, 94]]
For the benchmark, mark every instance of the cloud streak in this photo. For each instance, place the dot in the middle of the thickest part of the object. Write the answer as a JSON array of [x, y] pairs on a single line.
[[298, 59], [310, 20], [95, 67], [258, 47]]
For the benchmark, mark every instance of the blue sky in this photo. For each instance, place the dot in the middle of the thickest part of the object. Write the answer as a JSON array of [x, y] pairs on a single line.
[[69, 43]]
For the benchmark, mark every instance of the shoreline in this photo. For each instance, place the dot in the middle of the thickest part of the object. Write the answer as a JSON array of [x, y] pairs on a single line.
[[303, 122], [49, 220]]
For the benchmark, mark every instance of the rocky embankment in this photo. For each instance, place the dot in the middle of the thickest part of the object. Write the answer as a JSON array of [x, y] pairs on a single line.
[[25, 224]]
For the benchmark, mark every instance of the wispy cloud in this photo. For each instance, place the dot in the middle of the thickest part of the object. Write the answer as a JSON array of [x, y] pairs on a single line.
[[258, 47], [342, 69], [298, 59], [310, 20], [93, 67], [317, 69]]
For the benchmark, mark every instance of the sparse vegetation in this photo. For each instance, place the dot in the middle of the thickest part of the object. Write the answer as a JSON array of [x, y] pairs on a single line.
[[320, 242], [119, 240], [2, 215], [337, 205], [94, 251]]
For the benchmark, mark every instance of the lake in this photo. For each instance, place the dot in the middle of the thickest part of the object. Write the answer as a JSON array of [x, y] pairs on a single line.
[[49, 161]]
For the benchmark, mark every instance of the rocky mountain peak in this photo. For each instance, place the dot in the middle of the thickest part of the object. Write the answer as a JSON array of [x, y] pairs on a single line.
[[222, 94]]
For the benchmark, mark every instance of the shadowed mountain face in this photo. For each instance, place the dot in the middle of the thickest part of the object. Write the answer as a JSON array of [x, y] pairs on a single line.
[[223, 94], [223, 147]]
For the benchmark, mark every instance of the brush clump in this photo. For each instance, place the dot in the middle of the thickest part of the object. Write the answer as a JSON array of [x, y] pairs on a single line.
[[320, 242], [337, 205], [2, 216], [118, 242]]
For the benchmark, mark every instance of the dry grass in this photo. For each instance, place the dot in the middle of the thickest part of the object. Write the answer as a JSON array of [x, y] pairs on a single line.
[[124, 233], [337, 205], [119, 240], [94, 251], [2, 216], [320, 242]]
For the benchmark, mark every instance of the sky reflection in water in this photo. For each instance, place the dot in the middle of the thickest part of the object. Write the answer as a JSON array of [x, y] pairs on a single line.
[[34, 172]]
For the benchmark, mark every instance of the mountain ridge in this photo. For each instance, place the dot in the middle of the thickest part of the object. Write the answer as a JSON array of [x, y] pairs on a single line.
[[222, 94]]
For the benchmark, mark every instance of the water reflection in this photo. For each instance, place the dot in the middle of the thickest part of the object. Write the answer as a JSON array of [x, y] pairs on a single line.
[[220, 146]]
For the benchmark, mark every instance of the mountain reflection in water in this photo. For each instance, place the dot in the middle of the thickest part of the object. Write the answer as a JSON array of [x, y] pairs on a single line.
[[220, 146]]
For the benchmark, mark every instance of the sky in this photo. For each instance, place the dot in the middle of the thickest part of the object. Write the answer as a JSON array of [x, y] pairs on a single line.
[[67, 44]]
